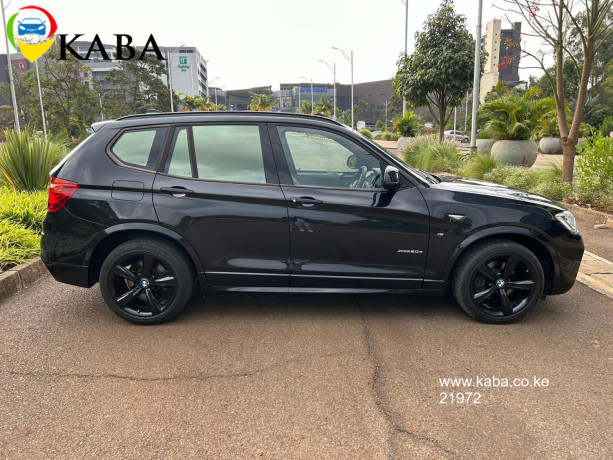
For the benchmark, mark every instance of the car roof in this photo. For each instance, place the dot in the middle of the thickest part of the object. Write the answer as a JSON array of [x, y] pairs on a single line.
[[31, 19], [195, 117]]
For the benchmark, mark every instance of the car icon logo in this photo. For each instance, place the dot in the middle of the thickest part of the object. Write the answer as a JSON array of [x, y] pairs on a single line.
[[31, 26]]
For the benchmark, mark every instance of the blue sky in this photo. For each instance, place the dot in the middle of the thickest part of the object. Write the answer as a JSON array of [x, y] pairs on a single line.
[[263, 42]]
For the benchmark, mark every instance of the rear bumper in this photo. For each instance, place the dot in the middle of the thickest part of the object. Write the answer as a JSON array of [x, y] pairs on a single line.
[[77, 275]]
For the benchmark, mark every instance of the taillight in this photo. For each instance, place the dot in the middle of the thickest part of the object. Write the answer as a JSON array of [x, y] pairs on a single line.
[[60, 191]]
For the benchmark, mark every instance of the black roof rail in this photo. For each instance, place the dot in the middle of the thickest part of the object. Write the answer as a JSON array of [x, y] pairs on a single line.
[[234, 112]]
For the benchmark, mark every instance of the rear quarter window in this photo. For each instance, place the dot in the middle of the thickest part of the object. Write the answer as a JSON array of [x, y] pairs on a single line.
[[140, 147]]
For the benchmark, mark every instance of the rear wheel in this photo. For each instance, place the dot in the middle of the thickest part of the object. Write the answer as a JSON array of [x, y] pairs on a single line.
[[146, 281], [498, 281]]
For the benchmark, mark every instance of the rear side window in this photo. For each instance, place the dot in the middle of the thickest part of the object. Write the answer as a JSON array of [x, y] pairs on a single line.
[[140, 147], [229, 153]]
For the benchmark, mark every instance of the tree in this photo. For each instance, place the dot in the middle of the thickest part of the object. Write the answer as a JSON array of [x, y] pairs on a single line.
[[262, 103], [138, 86], [553, 22], [362, 110], [191, 103], [440, 71]]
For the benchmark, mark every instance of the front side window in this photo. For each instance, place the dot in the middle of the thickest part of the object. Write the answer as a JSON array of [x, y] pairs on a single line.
[[140, 147], [320, 158]]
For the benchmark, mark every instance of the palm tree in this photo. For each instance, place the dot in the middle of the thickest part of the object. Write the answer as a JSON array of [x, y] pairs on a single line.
[[515, 117], [262, 103], [193, 103]]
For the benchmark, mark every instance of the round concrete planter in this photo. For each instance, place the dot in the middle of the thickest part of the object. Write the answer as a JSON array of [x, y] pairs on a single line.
[[485, 145], [551, 145], [515, 152]]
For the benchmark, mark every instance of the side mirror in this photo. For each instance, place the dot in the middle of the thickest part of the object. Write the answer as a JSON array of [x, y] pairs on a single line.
[[352, 162], [391, 177]]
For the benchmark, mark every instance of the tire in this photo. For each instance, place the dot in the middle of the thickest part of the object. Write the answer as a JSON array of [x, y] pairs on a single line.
[[498, 281], [146, 281], [465, 140]]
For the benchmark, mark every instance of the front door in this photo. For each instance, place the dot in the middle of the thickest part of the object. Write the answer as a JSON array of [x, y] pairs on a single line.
[[346, 230], [219, 189]]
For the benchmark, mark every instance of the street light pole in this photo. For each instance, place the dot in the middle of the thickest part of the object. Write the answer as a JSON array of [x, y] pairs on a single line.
[[168, 69], [333, 69], [10, 70], [476, 78], [350, 59], [406, 38], [40, 96]]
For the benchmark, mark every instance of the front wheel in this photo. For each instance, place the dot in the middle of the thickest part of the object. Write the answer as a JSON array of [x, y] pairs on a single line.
[[498, 281], [146, 281]]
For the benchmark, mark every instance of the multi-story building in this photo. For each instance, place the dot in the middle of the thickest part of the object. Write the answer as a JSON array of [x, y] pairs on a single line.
[[503, 56], [188, 70]]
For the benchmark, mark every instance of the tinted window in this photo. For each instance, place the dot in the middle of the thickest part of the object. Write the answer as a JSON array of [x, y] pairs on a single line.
[[140, 147], [178, 161], [229, 153], [321, 158]]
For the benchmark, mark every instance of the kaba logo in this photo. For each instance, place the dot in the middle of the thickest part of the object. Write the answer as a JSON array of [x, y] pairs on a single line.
[[96, 45]]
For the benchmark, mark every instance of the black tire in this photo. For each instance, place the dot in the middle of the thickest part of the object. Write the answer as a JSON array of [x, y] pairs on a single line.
[[146, 281], [498, 281], [464, 140]]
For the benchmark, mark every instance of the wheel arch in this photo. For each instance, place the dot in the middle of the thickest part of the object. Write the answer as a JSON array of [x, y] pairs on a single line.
[[114, 236], [536, 242]]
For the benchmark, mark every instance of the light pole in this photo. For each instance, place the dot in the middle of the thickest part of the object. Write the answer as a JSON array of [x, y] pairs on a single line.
[[406, 37], [333, 69], [40, 96], [10, 70], [209, 83], [476, 78], [172, 105], [466, 114], [350, 59], [101, 110], [312, 102]]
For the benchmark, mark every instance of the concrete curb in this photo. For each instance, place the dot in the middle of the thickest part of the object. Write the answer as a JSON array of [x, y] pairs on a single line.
[[596, 273], [591, 215], [17, 278]]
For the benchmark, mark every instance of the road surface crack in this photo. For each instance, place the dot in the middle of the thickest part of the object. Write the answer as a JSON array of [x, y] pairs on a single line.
[[395, 427], [202, 377]]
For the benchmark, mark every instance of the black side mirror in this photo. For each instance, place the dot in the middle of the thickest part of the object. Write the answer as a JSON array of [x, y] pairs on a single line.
[[391, 177]]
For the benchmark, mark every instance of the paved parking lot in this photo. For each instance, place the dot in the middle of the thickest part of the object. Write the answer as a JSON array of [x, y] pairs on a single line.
[[275, 376]]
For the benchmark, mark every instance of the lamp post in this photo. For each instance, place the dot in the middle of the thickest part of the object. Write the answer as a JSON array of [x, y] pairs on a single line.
[[406, 37], [350, 59], [476, 78], [40, 96], [209, 83], [10, 70], [333, 69], [172, 105], [312, 102]]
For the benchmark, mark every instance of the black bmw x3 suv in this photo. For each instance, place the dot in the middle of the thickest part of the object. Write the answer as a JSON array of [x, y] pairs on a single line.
[[151, 206]]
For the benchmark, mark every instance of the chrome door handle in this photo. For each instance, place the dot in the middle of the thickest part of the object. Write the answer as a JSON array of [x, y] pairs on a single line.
[[306, 202], [179, 192]]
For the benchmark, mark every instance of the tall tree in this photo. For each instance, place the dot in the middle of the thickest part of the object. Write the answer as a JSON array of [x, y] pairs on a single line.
[[139, 86], [554, 22], [440, 71]]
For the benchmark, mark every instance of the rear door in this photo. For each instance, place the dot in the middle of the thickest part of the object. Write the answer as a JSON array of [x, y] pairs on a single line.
[[346, 230], [219, 189]]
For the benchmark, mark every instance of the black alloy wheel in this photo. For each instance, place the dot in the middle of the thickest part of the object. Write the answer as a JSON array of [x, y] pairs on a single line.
[[499, 281], [146, 281]]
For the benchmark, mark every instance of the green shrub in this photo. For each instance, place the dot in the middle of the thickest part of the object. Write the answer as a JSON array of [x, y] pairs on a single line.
[[26, 159], [27, 209], [17, 244], [366, 133], [379, 124], [407, 126], [476, 166], [595, 165], [426, 153], [387, 136], [483, 134], [607, 125]]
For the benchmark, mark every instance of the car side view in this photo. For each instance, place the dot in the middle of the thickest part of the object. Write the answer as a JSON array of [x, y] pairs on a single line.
[[154, 206]]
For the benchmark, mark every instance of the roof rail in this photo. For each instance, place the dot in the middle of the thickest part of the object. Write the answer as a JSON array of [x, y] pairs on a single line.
[[234, 112]]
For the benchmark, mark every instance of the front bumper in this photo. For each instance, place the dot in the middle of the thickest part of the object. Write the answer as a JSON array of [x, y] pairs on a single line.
[[569, 259]]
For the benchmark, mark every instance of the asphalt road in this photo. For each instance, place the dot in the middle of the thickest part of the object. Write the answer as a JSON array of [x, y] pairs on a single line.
[[599, 241], [305, 377]]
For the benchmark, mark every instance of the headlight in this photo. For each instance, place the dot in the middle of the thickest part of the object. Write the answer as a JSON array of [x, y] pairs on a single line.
[[567, 219]]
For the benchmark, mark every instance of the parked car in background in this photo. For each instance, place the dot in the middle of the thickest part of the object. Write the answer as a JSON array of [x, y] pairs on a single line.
[[152, 206], [457, 136]]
